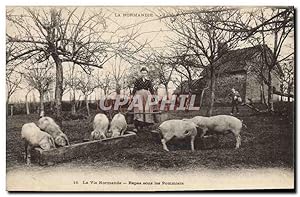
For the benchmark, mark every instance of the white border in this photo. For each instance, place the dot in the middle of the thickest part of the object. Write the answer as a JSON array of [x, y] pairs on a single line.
[[110, 2]]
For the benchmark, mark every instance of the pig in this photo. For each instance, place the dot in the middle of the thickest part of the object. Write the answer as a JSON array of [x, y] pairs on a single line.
[[118, 125], [48, 125], [220, 124], [100, 126], [32, 136], [178, 129]]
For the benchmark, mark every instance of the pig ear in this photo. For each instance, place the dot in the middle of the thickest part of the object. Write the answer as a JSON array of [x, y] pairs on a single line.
[[66, 138]]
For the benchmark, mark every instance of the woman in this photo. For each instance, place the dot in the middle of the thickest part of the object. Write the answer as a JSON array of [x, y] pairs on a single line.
[[143, 88]]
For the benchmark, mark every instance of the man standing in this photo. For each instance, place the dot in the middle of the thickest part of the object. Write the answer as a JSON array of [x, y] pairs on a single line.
[[236, 99]]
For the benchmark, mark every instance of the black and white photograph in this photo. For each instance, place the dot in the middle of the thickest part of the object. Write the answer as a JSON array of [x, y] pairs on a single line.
[[150, 98]]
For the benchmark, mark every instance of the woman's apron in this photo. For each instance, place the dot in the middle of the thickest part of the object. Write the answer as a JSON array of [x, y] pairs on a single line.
[[144, 95]]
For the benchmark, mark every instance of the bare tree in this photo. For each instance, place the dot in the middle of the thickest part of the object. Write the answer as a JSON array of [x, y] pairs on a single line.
[[198, 37], [87, 85], [39, 77], [274, 35], [287, 79], [164, 74], [72, 82], [178, 82], [65, 35], [29, 89], [105, 83], [13, 81], [118, 69], [130, 77], [269, 27], [13, 76], [186, 67], [162, 69]]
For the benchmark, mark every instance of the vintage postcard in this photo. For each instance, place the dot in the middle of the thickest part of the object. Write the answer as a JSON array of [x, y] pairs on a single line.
[[180, 98]]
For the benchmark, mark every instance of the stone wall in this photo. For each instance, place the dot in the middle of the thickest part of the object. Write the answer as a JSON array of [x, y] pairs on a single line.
[[224, 84], [253, 88], [246, 83]]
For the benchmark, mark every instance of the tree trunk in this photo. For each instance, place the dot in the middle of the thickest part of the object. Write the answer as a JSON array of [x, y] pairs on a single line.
[[167, 91], [289, 93], [201, 97], [282, 92], [187, 101], [118, 89], [212, 91], [26, 104], [262, 92], [51, 101], [130, 92], [42, 108], [105, 92], [87, 105], [58, 88], [70, 98], [7, 110], [11, 110], [270, 93], [73, 103]]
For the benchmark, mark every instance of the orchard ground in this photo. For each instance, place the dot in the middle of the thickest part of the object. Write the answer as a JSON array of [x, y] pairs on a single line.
[[268, 141]]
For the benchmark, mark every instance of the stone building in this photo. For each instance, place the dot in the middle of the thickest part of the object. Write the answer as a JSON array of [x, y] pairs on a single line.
[[237, 69]]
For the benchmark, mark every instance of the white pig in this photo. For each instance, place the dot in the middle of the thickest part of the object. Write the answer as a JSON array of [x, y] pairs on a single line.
[[220, 124], [100, 126], [34, 137], [179, 129], [48, 125], [118, 125]]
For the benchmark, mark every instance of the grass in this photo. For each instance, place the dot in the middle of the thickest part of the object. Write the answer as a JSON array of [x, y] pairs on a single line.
[[266, 142]]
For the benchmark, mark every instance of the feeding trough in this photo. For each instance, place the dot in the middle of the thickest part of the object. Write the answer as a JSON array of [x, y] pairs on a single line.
[[82, 149]]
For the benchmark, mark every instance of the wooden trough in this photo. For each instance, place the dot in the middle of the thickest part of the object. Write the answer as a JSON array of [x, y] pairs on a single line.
[[82, 149]]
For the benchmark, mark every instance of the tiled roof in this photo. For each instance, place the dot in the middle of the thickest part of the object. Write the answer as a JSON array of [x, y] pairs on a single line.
[[231, 62], [234, 60]]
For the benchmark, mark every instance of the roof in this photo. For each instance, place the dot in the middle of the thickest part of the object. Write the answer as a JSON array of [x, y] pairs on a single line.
[[196, 86], [234, 60]]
